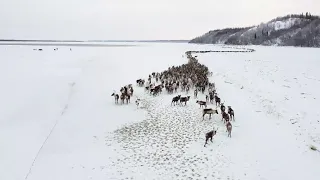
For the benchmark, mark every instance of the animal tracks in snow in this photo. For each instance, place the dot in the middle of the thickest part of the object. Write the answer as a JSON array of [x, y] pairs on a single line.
[[164, 142]]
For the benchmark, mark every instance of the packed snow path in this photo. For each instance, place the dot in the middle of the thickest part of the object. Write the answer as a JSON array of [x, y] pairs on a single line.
[[160, 144]]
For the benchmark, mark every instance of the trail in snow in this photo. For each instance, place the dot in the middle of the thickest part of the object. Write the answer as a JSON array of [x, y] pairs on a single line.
[[56, 123], [162, 142]]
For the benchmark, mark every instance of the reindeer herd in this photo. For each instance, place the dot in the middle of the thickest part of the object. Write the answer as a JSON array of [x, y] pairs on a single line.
[[126, 93], [192, 75]]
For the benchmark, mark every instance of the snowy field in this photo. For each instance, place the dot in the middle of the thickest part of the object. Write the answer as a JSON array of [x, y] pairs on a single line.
[[58, 120]]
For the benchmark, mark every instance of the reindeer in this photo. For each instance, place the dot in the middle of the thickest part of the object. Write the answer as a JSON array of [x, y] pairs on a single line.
[[187, 88], [122, 97], [222, 107], [209, 111], [229, 128], [127, 97], [217, 100], [131, 91], [209, 135], [175, 99], [203, 89], [184, 99], [231, 113], [202, 103], [195, 93], [225, 117], [211, 94], [116, 97]]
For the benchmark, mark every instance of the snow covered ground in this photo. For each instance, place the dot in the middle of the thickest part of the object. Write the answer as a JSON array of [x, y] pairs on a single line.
[[58, 120]]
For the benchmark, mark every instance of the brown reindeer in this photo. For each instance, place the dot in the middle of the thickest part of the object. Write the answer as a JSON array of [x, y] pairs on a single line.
[[229, 128], [231, 113], [211, 96], [202, 103], [209, 135], [209, 111], [184, 99], [122, 97], [225, 117], [127, 97], [116, 97], [222, 108], [217, 100]]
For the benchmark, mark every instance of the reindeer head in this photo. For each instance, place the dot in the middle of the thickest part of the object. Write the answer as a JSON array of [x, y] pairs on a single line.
[[188, 97], [112, 94]]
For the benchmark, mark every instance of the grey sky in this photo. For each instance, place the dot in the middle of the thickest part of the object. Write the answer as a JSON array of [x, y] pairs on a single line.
[[136, 19]]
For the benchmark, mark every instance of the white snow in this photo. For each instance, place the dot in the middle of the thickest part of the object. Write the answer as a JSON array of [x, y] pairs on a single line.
[[56, 110], [288, 23]]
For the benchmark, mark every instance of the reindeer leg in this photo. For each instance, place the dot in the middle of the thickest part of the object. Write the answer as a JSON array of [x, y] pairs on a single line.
[[206, 142]]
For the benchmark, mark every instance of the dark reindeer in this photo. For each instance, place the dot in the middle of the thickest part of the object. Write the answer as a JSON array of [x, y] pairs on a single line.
[[225, 117], [122, 97], [140, 82], [209, 111], [231, 113], [211, 96], [175, 99], [209, 135], [202, 103], [217, 100], [127, 97], [222, 108], [116, 97], [184, 99]]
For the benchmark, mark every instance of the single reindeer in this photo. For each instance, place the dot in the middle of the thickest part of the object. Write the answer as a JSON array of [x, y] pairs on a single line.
[[175, 99], [209, 135], [202, 103], [222, 107], [217, 100], [229, 128], [116, 97], [195, 93], [225, 117], [209, 111], [184, 99], [231, 113]]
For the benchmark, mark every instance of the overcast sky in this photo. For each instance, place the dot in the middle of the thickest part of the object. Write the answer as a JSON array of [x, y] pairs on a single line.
[[136, 19]]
